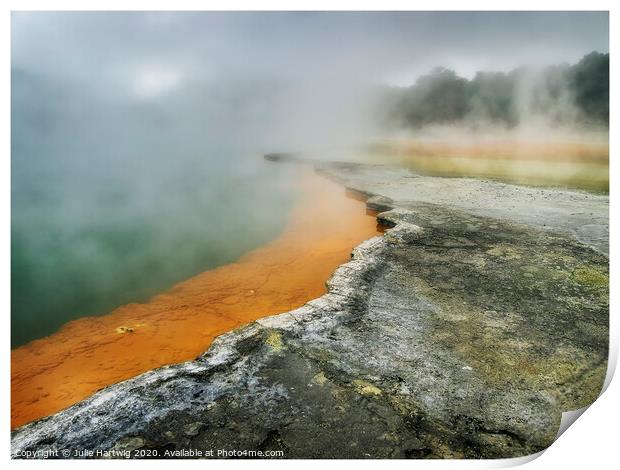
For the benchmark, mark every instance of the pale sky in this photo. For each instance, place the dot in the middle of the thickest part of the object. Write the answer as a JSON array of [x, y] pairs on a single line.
[[152, 52]]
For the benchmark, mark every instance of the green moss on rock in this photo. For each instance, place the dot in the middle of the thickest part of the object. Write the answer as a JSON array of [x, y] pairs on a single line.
[[590, 277]]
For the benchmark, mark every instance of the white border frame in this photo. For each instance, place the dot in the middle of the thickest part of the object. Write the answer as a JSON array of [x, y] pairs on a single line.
[[591, 442]]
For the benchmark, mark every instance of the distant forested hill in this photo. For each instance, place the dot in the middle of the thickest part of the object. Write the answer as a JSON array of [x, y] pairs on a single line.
[[561, 93]]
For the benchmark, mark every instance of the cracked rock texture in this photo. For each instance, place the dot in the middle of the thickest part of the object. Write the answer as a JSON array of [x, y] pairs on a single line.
[[464, 332]]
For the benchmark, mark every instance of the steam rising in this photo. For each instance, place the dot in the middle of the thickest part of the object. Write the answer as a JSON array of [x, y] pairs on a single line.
[[136, 137]]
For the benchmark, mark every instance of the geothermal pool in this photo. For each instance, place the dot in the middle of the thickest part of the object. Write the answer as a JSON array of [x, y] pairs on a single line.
[[87, 354]]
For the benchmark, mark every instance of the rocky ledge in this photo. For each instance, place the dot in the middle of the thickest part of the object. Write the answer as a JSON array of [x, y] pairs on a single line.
[[463, 332]]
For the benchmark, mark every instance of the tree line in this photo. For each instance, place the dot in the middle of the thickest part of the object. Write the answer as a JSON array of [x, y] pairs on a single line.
[[563, 94]]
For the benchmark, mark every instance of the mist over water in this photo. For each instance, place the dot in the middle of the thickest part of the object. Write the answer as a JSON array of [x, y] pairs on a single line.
[[137, 137], [114, 202]]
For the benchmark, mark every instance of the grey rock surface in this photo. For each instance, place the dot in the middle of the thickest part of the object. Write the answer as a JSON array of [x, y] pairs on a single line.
[[583, 214], [462, 332]]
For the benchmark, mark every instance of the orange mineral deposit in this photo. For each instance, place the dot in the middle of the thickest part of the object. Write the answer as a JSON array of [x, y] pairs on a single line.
[[85, 355]]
